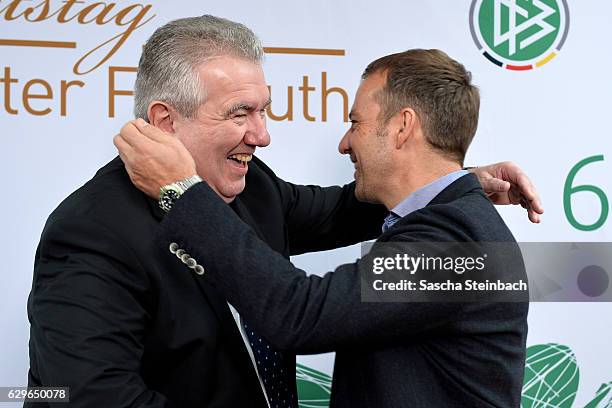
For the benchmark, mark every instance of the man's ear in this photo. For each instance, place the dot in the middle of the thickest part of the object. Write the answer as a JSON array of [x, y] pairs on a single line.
[[162, 116], [406, 123]]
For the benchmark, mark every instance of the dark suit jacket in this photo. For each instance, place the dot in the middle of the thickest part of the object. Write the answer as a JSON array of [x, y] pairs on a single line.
[[124, 324], [388, 354]]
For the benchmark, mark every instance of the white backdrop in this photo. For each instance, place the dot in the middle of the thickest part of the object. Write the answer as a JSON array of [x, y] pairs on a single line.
[[546, 119]]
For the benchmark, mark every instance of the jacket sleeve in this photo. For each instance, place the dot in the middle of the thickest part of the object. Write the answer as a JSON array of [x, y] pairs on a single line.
[[304, 314], [88, 308], [320, 218]]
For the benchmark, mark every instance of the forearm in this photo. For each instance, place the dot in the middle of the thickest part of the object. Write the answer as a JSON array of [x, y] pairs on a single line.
[[305, 314]]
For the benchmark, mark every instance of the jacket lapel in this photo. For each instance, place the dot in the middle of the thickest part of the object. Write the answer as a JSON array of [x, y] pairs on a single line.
[[240, 209], [229, 330]]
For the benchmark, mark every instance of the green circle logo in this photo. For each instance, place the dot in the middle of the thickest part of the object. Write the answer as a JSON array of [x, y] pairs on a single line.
[[519, 35]]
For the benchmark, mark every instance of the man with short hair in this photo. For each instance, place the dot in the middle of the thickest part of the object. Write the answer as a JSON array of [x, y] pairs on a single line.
[[414, 116], [114, 318], [119, 320]]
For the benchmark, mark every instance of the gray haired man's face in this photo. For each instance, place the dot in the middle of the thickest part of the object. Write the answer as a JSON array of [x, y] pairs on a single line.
[[229, 125]]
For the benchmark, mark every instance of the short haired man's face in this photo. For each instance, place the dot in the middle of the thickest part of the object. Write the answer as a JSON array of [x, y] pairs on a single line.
[[367, 141], [229, 125]]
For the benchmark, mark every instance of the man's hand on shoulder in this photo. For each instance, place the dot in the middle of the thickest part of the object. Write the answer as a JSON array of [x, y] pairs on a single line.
[[505, 183], [152, 158]]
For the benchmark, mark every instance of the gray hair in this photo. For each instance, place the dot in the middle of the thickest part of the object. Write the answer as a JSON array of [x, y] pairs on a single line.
[[168, 67]]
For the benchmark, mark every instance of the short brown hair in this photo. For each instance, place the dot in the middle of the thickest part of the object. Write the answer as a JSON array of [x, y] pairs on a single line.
[[439, 89]]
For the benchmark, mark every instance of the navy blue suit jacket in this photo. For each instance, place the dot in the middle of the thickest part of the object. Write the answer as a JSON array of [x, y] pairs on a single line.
[[388, 354]]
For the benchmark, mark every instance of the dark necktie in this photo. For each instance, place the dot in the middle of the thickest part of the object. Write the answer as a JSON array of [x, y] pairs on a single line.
[[278, 385]]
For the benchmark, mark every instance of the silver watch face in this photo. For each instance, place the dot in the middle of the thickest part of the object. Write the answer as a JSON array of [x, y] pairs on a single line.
[[167, 199]]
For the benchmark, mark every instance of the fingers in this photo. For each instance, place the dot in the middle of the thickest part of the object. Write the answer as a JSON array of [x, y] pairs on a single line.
[[139, 134], [130, 134], [533, 216], [150, 131], [125, 153], [529, 194], [122, 146], [525, 185]]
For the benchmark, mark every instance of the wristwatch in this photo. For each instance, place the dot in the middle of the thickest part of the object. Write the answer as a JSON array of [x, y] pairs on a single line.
[[169, 193]]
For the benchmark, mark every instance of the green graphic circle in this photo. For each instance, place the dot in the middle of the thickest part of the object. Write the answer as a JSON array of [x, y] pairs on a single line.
[[551, 377], [486, 24]]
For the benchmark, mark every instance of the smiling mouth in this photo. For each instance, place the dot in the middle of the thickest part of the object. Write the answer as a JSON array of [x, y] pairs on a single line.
[[242, 159]]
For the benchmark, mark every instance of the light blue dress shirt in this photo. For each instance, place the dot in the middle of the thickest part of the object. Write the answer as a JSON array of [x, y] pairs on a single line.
[[420, 198]]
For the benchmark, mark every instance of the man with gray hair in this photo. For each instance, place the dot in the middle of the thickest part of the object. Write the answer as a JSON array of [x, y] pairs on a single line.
[[121, 322]]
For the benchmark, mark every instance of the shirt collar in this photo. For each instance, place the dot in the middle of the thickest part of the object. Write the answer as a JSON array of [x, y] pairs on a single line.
[[420, 198]]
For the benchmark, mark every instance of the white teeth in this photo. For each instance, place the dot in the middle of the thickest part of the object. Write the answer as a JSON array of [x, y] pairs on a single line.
[[245, 158]]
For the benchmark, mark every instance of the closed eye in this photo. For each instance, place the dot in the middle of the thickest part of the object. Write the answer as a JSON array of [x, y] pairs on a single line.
[[239, 109]]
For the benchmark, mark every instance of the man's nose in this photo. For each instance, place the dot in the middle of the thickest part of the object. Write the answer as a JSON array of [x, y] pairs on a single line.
[[344, 147], [257, 133]]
